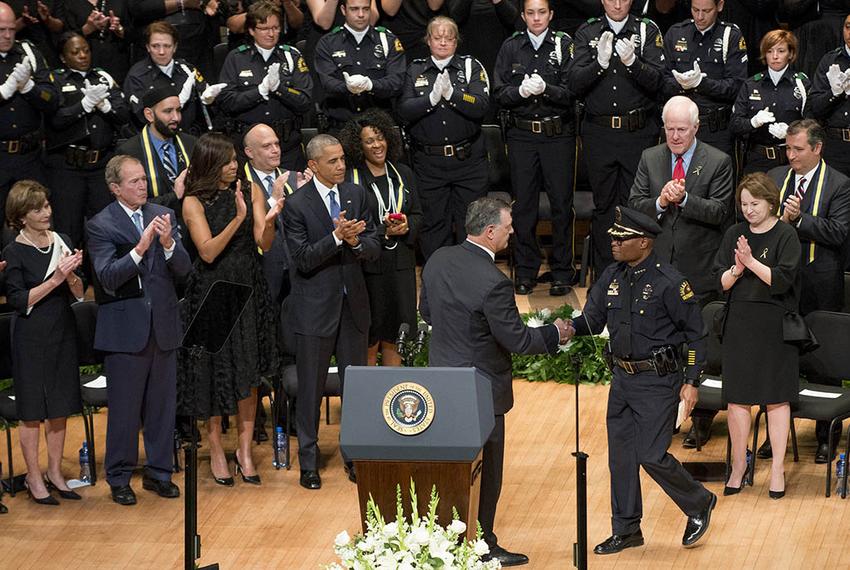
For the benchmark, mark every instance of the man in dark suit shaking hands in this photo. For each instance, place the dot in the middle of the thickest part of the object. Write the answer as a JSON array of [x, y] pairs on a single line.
[[329, 232], [136, 257], [470, 305]]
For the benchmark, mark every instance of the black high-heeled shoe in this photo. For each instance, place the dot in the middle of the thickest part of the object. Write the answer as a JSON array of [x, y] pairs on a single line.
[[727, 490], [67, 495], [777, 494], [225, 481], [48, 500], [252, 479]]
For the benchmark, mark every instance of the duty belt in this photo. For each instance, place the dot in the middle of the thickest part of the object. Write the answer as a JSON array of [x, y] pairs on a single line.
[[459, 150], [716, 119], [23, 145], [635, 366], [843, 134], [631, 121], [771, 152], [81, 156], [550, 126]]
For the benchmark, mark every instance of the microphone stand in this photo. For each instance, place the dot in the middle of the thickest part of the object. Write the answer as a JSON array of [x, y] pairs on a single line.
[[580, 546]]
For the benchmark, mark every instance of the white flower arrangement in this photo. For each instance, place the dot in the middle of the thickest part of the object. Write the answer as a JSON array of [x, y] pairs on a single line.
[[418, 544]]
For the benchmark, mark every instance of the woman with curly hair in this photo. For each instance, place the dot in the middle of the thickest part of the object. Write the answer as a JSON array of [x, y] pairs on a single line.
[[372, 147]]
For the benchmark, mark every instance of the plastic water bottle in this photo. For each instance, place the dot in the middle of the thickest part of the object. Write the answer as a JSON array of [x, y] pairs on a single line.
[[840, 466], [281, 445], [85, 464]]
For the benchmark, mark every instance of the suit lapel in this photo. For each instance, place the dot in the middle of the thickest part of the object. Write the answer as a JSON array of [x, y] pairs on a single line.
[[696, 165], [812, 188], [317, 205], [123, 223]]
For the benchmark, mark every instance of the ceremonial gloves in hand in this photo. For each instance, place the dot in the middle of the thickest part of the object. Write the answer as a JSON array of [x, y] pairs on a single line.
[[689, 79], [357, 83], [448, 89], [437, 89], [762, 118], [211, 92], [778, 130], [837, 79], [18, 80], [94, 95], [186, 90], [604, 49], [626, 51], [271, 81]]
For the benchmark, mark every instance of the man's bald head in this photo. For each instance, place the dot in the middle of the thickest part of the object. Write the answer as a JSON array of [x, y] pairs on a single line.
[[7, 27], [262, 147]]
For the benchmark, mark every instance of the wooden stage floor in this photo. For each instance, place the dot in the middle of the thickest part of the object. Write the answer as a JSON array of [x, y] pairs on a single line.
[[281, 525]]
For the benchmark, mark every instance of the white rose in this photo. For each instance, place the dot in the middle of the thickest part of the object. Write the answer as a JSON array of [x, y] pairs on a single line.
[[545, 313], [342, 539], [419, 536], [457, 527], [390, 529], [575, 314], [535, 322], [480, 548], [605, 333]]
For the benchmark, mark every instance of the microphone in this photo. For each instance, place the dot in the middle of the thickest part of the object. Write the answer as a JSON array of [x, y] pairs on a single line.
[[421, 335], [403, 331]]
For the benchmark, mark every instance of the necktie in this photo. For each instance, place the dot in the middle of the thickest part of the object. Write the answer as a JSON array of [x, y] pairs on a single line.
[[137, 221], [679, 169], [621, 340], [167, 162], [801, 189], [269, 185], [334, 205]]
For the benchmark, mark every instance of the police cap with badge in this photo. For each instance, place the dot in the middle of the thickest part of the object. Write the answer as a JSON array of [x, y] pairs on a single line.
[[629, 224]]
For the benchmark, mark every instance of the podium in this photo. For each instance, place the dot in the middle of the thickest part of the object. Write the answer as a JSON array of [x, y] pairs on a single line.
[[425, 424]]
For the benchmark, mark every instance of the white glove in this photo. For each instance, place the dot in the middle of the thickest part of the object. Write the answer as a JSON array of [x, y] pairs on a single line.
[[778, 130], [697, 76], [211, 92], [604, 49], [683, 78], [9, 87], [847, 83], [186, 90], [525, 87], [104, 106], [271, 81], [448, 89], [836, 79], [357, 83], [437, 90], [762, 118], [93, 94], [626, 51], [538, 85]]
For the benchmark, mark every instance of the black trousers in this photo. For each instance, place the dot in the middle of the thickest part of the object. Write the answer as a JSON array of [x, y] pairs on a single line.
[[612, 157], [836, 153], [641, 413], [491, 479], [76, 194], [540, 163], [15, 167], [446, 187], [141, 391], [721, 140], [313, 356]]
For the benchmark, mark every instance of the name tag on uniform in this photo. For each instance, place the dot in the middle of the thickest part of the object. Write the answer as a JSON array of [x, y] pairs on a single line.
[[340, 53], [681, 45], [67, 88], [421, 81], [246, 73], [614, 288], [755, 95]]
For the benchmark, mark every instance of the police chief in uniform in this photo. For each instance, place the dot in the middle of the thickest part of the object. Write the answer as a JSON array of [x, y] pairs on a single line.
[[651, 312], [770, 101], [444, 100], [359, 66], [830, 100], [161, 69], [530, 82], [267, 83], [707, 61], [27, 91], [81, 137], [617, 69]]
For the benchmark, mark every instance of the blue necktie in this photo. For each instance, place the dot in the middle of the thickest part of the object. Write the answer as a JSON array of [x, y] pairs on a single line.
[[168, 162], [269, 185], [137, 221], [334, 205]]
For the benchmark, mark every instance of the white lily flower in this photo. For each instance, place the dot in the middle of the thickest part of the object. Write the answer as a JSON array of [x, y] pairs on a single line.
[[480, 548], [565, 347], [545, 313], [575, 314], [604, 333], [535, 322], [342, 539], [457, 527]]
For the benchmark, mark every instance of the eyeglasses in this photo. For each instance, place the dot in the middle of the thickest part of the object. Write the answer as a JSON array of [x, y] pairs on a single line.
[[272, 29], [625, 239]]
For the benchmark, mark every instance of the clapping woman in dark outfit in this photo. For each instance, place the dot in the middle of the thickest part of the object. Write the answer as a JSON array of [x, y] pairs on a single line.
[[757, 266], [227, 227], [41, 284], [372, 146]]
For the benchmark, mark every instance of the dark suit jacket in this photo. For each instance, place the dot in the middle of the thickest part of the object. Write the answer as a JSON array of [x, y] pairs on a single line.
[[125, 325], [470, 305], [321, 270], [823, 278], [164, 188], [692, 234]]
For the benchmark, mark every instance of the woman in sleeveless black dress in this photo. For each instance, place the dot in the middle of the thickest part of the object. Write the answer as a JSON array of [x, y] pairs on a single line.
[[227, 227]]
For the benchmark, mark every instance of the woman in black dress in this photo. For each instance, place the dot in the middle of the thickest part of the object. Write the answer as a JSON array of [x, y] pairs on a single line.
[[227, 228], [41, 283], [757, 266], [372, 144]]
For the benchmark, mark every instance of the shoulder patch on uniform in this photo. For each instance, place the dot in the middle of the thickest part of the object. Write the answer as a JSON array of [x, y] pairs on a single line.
[[302, 65], [659, 41], [758, 76], [397, 45], [742, 43], [801, 75], [685, 291]]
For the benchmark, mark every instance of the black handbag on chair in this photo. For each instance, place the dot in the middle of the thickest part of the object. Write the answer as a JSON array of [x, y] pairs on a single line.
[[795, 331]]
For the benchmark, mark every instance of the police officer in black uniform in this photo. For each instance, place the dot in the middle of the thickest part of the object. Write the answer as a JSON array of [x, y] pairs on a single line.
[[267, 83], [830, 100], [27, 91], [617, 69], [770, 101], [359, 66], [161, 69], [444, 100], [81, 137], [651, 312], [707, 61], [530, 83]]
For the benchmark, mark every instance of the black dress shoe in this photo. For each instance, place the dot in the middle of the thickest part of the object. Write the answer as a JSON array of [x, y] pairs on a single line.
[[504, 557], [3, 509], [524, 287], [704, 427], [765, 451], [559, 288], [777, 494], [48, 500], [619, 542], [165, 489], [251, 479], [67, 495], [310, 480], [727, 490], [349, 469], [822, 454], [698, 525], [123, 494]]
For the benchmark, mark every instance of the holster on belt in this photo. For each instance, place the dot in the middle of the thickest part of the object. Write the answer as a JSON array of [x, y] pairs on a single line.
[[716, 119], [82, 157], [26, 143]]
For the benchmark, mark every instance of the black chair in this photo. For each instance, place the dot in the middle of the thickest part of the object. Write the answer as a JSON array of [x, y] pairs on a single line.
[[499, 171], [8, 410], [711, 387], [85, 314], [583, 206], [220, 52], [846, 308]]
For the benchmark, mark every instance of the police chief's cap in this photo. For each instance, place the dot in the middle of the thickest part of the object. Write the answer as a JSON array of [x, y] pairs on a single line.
[[630, 223], [154, 96]]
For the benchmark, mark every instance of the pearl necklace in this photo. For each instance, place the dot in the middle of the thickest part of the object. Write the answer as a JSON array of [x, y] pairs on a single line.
[[38, 249]]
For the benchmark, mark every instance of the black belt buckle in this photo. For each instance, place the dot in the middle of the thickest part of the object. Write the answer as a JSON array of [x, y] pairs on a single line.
[[770, 152], [616, 122], [845, 135], [92, 156], [13, 147], [627, 366], [448, 150], [536, 127]]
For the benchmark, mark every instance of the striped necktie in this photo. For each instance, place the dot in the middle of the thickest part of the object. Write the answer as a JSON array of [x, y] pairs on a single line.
[[167, 162]]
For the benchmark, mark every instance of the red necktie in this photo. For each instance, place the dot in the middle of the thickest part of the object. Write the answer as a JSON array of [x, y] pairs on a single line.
[[679, 169], [801, 189]]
